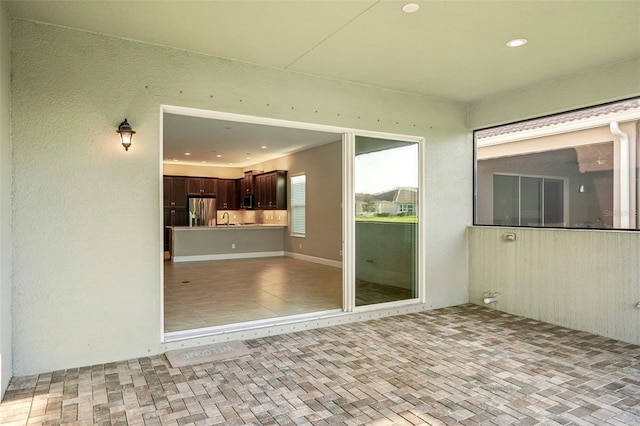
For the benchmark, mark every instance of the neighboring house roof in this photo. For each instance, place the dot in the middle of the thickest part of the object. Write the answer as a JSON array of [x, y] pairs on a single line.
[[396, 195], [610, 109], [406, 195], [385, 196]]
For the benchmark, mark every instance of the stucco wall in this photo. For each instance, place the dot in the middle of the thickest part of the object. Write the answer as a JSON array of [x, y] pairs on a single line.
[[5, 200], [87, 226], [584, 280], [608, 83], [581, 279]]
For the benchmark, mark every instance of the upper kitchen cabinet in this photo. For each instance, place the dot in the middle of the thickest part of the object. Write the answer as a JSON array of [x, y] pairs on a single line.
[[246, 184], [174, 192], [227, 194], [271, 190], [202, 186]]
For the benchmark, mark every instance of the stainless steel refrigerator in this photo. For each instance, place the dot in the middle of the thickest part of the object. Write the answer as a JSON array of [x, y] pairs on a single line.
[[202, 211]]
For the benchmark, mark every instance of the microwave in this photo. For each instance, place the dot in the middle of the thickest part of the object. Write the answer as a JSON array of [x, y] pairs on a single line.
[[247, 201]]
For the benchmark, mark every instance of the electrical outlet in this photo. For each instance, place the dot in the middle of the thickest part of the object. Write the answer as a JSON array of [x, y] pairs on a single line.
[[233, 246], [299, 246]]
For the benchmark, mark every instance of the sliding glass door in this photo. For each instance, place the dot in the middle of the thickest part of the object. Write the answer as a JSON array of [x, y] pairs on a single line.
[[386, 183]]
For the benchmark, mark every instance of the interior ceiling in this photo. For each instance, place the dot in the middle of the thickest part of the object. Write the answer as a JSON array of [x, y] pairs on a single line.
[[238, 144], [453, 50]]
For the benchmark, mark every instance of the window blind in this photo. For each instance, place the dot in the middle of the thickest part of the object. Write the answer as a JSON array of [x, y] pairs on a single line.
[[298, 201]]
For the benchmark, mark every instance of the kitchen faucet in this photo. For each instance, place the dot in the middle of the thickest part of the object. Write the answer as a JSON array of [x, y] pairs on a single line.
[[226, 214]]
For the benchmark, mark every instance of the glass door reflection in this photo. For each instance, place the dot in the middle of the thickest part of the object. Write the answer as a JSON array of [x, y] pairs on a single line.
[[386, 220]]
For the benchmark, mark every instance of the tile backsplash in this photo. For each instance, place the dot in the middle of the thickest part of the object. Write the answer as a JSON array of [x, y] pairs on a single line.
[[253, 217]]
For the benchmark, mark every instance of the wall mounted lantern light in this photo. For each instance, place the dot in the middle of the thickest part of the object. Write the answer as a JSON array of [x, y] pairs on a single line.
[[126, 134]]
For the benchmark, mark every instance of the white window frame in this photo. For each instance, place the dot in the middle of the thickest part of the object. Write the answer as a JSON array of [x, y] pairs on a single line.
[[292, 217]]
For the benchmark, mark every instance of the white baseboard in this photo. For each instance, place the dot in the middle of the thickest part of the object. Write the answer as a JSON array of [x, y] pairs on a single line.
[[227, 256], [313, 259]]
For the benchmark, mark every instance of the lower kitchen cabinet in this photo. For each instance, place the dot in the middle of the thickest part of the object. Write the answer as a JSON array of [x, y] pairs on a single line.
[[173, 217]]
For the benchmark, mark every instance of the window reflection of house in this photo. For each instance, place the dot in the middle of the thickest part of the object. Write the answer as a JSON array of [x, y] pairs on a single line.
[[571, 170], [395, 202]]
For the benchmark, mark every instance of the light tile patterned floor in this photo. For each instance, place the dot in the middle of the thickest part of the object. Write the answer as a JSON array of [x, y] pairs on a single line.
[[211, 293], [461, 365], [205, 294]]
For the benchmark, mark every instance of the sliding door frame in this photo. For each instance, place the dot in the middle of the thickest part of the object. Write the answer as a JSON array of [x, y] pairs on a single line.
[[348, 214]]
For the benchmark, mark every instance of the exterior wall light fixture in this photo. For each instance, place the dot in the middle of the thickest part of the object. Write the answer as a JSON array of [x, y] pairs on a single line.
[[126, 134]]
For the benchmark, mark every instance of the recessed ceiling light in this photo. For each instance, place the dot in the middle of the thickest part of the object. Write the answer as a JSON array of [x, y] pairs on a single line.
[[263, 147], [203, 162], [247, 158], [517, 42], [219, 156], [410, 8], [187, 153]]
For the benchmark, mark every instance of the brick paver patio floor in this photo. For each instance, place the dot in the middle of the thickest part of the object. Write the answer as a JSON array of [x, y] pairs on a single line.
[[460, 365]]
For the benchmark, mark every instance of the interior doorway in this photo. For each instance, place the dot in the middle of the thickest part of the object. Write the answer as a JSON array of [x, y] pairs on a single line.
[[248, 266]]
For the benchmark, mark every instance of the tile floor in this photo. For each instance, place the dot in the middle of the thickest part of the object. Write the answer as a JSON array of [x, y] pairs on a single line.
[[462, 365], [205, 294], [211, 293]]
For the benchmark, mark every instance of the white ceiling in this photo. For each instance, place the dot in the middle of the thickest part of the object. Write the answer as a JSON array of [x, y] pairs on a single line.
[[452, 50], [448, 49]]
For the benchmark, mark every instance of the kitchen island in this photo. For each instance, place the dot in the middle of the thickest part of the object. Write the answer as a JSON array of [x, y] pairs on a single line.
[[226, 242]]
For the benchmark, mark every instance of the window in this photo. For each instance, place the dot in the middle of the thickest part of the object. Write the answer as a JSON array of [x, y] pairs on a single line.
[[572, 170], [528, 201], [407, 209], [298, 205]]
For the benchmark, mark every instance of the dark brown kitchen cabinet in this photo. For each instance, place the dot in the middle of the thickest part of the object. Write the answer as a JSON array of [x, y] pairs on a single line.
[[173, 217], [270, 190], [174, 192], [246, 184], [202, 186], [227, 194]]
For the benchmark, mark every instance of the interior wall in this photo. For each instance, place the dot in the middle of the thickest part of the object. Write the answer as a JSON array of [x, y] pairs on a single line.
[[322, 166], [5, 200], [87, 260], [584, 280], [201, 171]]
